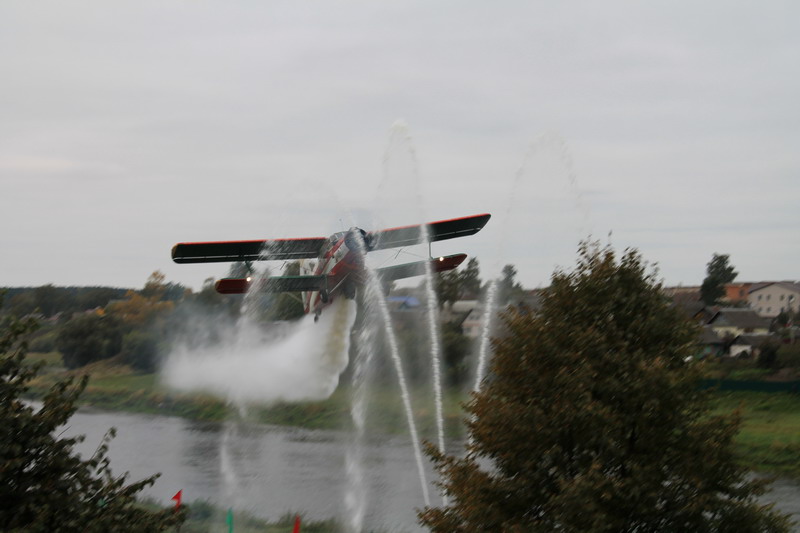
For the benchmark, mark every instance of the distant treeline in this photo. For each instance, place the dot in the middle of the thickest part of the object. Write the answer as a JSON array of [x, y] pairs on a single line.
[[49, 300]]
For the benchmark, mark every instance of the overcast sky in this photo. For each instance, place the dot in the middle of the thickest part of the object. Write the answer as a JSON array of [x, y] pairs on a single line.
[[126, 127]]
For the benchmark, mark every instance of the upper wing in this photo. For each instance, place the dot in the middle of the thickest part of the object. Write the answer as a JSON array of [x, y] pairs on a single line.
[[408, 270], [220, 251], [436, 231]]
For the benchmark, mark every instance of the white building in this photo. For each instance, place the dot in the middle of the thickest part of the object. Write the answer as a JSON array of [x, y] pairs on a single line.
[[771, 299]]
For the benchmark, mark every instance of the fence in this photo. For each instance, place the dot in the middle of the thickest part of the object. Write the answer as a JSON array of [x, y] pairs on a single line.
[[756, 386]]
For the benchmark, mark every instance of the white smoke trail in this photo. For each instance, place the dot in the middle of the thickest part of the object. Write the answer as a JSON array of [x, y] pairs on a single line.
[[302, 361]]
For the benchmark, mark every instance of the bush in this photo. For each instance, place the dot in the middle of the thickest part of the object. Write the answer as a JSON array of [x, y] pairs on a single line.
[[141, 351], [88, 338], [767, 354], [44, 484], [44, 342], [789, 356]]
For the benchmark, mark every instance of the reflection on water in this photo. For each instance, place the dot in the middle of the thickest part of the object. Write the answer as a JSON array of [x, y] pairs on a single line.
[[277, 469]]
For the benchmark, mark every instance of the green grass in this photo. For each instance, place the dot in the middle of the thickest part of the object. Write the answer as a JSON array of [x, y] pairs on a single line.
[[49, 359], [769, 439], [203, 516]]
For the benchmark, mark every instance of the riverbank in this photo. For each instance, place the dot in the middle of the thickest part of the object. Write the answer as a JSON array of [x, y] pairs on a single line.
[[203, 516], [769, 440]]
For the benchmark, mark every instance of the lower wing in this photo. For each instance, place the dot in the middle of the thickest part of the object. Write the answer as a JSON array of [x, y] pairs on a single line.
[[409, 270], [317, 283], [271, 284]]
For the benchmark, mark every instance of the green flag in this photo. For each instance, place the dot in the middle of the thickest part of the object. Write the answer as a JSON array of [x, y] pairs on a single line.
[[229, 521]]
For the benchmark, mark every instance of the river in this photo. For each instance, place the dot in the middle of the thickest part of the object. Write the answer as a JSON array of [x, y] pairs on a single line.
[[266, 470], [270, 470]]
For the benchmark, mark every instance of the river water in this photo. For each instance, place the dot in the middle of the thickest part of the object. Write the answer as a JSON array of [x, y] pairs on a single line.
[[270, 470], [265, 470]]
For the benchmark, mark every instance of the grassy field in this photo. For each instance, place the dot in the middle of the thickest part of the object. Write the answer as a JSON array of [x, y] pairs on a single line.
[[769, 440]]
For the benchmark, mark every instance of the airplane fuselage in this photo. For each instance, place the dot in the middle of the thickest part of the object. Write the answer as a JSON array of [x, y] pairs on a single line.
[[342, 263]]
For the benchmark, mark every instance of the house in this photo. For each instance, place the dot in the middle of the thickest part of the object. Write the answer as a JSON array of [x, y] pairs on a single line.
[[467, 313], [710, 344], [770, 299], [696, 311], [472, 325], [402, 303], [680, 295], [749, 345], [735, 321], [736, 293]]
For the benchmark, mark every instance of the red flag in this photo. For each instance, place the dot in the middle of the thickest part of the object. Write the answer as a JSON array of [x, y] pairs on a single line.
[[177, 499], [296, 524]]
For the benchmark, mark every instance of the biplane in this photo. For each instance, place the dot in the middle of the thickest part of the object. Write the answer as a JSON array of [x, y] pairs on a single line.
[[330, 266]]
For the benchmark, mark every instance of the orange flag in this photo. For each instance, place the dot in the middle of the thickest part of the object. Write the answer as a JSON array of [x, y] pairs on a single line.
[[177, 499], [296, 524]]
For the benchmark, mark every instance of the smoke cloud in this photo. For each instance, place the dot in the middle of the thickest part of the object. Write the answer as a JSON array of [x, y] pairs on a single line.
[[297, 361]]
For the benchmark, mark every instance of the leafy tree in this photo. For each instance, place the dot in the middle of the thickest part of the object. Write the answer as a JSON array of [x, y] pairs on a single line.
[[94, 297], [459, 284], [142, 308], [44, 485], [23, 303], [49, 299], [448, 287], [767, 354], [455, 348], [591, 420], [508, 288], [140, 349], [470, 279], [718, 273], [89, 337]]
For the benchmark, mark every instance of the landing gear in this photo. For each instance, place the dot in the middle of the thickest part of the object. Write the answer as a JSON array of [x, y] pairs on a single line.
[[316, 315]]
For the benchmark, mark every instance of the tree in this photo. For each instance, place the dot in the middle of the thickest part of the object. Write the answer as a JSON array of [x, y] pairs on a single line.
[[455, 349], [718, 273], [448, 287], [89, 337], [141, 350], [591, 420], [459, 284], [44, 484], [470, 279], [508, 288], [144, 307]]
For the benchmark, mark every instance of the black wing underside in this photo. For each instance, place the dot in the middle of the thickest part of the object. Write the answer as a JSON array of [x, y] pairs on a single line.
[[308, 248], [226, 251], [430, 232]]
